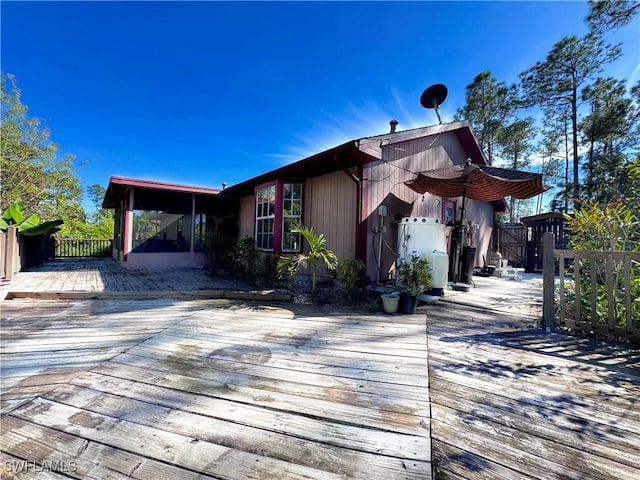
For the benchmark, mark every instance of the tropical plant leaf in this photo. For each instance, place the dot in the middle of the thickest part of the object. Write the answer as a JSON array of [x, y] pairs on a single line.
[[13, 214], [43, 228], [29, 222]]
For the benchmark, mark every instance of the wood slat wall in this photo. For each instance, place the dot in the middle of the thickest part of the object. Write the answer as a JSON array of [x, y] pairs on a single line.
[[330, 205]]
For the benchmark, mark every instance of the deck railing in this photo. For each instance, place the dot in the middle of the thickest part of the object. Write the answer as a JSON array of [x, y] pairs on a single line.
[[597, 292], [83, 247]]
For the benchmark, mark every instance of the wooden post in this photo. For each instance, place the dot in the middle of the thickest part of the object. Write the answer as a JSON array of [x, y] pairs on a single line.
[[548, 282], [11, 252]]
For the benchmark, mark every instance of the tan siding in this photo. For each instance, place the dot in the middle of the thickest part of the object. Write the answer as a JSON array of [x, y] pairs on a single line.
[[247, 216], [330, 206]]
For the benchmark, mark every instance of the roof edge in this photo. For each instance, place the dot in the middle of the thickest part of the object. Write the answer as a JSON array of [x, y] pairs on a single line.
[[161, 185]]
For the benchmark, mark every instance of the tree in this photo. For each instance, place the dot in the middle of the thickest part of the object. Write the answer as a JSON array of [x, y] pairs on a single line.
[[100, 223], [549, 149], [96, 194], [32, 173], [559, 79], [611, 14], [632, 197], [606, 131], [515, 144], [489, 104]]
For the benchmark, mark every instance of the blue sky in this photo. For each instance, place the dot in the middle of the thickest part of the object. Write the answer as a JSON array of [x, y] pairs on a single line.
[[209, 92]]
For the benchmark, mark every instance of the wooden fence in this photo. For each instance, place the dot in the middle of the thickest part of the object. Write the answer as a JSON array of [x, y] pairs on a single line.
[[598, 292], [511, 241], [9, 253], [83, 247]]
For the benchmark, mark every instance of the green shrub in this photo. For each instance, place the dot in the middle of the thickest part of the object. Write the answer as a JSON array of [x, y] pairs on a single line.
[[349, 269], [245, 257]]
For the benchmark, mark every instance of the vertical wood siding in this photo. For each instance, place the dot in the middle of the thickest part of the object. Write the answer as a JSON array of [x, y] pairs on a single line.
[[330, 206], [247, 216], [384, 185]]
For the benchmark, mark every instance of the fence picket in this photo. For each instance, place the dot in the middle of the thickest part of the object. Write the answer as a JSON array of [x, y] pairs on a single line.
[[83, 247], [613, 279]]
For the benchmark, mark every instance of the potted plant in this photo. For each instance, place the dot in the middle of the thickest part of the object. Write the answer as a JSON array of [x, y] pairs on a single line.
[[390, 302], [414, 276]]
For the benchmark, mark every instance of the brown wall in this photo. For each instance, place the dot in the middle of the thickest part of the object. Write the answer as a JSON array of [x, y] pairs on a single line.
[[330, 201], [384, 185], [247, 216], [329, 206]]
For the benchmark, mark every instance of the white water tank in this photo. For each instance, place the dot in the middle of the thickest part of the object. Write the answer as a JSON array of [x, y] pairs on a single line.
[[425, 236]]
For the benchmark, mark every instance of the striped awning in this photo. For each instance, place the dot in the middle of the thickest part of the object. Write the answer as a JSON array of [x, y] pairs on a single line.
[[479, 182]]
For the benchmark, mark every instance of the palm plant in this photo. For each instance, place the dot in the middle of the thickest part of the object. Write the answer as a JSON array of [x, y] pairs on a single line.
[[317, 254]]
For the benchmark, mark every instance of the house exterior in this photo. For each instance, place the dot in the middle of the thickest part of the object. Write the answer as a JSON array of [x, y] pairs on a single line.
[[163, 225], [338, 192]]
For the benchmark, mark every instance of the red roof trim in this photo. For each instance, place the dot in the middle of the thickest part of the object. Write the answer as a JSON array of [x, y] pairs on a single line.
[[174, 187]]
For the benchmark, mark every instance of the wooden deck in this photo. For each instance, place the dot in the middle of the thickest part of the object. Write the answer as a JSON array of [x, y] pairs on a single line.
[[512, 402], [181, 388], [155, 389], [106, 275]]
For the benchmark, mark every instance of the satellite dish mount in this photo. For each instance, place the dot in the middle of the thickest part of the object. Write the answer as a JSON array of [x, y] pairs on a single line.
[[433, 97]]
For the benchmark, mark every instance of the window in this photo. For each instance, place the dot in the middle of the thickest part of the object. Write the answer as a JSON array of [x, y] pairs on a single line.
[[200, 232], [265, 216], [157, 231], [278, 207], [291, 213], [449, 212]]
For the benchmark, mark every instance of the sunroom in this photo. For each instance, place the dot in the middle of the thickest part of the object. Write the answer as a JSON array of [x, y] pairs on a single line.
[[160, 224]]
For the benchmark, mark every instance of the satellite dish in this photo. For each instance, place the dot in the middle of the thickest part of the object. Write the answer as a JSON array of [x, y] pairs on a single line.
[[433, 97]]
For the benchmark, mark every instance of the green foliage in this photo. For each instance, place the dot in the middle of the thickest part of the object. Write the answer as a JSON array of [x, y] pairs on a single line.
[[556, 83], [245, 256], [608, 133], [415, 274], [611, 14], [217, 247], [489, 104], [318, 254], [268, 271], [632, 198], [32, 172], [349, 268], [514, 142], [99, 224], [612, 227], [27, 225], [77, 228]]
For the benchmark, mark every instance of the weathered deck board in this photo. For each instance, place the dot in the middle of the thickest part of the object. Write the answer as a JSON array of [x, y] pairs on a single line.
[[514, 403], [104, 274], [159, 387], [235, 389]]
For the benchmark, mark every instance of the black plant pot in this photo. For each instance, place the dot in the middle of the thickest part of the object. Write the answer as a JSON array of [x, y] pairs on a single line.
[[408, 303]]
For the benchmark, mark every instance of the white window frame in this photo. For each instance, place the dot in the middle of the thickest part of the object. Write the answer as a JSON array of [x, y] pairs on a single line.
[[291, 199], [265, 216]]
